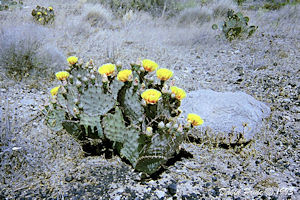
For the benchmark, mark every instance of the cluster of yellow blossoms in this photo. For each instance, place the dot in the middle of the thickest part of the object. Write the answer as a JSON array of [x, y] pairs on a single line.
[[151, 96]]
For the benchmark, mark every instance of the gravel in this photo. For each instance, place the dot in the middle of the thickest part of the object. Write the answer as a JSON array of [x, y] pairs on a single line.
[[36, 163]]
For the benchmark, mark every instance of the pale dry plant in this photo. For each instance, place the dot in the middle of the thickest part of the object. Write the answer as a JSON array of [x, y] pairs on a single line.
[[25, 51], [97, 15]]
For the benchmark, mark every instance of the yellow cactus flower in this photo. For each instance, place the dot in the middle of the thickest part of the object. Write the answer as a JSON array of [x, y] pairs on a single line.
[[194, 119], [72, 60], [124, 75], [164, 74], [151, 96], [107, 69], [149, 65], [50, 8], [54, 91], [39, 13], [179, 93], [63, 75]]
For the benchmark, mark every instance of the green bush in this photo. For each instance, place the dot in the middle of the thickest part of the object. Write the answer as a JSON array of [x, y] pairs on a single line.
[[236, 26], [126, 109]]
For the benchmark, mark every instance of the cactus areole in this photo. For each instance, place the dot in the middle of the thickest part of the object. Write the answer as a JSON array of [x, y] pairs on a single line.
[[139, 117]]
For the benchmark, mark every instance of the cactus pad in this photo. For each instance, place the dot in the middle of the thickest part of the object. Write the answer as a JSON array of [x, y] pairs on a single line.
[[131, 145], [114, 126], [95, 102], [133, 108], [55, 119], [92, 122], [150, 164]]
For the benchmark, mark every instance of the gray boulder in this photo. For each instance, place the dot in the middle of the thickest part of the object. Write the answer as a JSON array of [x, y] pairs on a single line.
[[229, 115]]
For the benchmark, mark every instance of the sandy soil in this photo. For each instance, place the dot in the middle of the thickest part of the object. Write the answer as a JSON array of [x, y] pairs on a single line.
[[36, 163]]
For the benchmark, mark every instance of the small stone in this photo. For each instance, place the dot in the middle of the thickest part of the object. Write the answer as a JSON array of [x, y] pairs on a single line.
[[206, 185], [214, 179], [215, 192], [172, 188], [69, 178], [233, 176], [297, 174]]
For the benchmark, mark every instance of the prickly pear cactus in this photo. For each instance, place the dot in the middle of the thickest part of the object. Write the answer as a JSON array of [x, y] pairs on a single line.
[[236, 26], [43, 15], [127, 107]]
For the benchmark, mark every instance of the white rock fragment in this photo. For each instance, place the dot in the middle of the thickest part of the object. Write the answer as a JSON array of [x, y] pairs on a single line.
[[16, 148]]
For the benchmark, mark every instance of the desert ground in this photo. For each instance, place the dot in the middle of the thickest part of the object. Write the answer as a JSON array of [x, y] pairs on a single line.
[[37, 163]]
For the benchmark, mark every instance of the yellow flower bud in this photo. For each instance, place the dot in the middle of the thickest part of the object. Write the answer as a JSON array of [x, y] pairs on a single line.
[[178, 92], [151, 96], [194, 119], [107, 69], [72, 60], [149, 65], [54, 91], [164, 74], [63, 75], [125, 75]]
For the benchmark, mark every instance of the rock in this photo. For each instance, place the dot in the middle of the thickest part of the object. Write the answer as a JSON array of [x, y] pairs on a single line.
[[69, 178], [172, 188], [223, 111]]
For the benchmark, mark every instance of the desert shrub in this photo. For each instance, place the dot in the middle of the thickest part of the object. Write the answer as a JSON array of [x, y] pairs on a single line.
[[43, 15], [24, 52], [195, 15], [9, 4], [236, 26], [97, 15], [128, 110], [155, 7], [276, 5]]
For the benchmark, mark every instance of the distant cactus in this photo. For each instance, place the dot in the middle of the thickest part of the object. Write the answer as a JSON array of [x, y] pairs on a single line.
[[236, 26], [43, 15], [139, 116]]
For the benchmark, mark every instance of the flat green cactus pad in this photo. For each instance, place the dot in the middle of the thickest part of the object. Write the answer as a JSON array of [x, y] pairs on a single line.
[[131, 145], [150, 164], [68, 102], [133, 108], [55, 119], [92, 122], [73, 128], [114, 126], [115, 86], [95, 102]]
